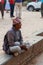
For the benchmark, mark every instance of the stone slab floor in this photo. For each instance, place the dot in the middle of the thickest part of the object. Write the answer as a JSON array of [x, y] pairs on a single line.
[[36, 61]]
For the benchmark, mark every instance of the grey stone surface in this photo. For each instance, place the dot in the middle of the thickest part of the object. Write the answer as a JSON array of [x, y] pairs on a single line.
[[4, 58]]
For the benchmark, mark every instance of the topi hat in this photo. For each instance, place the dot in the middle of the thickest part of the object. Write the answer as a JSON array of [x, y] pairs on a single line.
[[16, 21]]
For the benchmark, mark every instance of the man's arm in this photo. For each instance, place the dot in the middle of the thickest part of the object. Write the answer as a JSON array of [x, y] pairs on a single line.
[[21, 38]]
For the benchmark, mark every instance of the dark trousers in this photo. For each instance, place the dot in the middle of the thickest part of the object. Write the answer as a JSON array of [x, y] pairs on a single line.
[[2, 9], [42, 9], [11, 9], [4, 5]]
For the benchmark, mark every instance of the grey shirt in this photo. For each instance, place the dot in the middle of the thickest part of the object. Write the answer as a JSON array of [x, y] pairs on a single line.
[[14, 36]]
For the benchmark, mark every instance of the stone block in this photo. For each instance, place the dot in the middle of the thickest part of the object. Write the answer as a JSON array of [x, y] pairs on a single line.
[[37, 47], [21, 58], [40, 34]]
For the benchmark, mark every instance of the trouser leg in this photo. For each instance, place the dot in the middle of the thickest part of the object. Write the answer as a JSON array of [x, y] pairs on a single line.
[[20, 7], [11, 9], [16, 9], [42, 9], [4, 4], [2, 10], [15, 49], [27, 44]]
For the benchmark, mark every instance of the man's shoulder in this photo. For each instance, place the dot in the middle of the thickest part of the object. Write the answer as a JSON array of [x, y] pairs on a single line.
[[10, 31]]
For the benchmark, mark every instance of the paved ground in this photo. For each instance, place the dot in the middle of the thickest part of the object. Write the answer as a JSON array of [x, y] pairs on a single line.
[[36, 61], [31, 23]]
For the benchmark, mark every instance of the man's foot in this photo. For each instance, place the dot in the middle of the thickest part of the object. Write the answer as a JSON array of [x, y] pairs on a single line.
[[2, 17], [13, 16], [23, 47], [16, 54], [19, 17], [7, 11], [41, 16]]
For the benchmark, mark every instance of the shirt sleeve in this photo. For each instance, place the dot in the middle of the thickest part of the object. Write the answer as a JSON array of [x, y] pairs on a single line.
[[21, 38], [10, 38]]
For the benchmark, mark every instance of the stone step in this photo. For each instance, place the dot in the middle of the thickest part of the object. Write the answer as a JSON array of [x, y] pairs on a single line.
[[40, 33], [36, 47], [4, 58]]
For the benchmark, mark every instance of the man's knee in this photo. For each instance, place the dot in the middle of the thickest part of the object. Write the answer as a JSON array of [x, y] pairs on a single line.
[[15, 49], [18, 48]]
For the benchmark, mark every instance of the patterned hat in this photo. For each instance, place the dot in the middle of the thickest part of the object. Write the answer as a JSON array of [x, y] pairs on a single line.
[[16, 20]]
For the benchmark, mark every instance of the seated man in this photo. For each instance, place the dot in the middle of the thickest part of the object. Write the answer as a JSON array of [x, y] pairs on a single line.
[[14, 37]]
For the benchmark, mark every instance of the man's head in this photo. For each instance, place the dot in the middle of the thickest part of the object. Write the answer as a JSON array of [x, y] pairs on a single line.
[[16, 23]]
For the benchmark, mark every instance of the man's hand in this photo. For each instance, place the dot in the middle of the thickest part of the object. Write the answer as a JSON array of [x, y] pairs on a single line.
[[23, 47]]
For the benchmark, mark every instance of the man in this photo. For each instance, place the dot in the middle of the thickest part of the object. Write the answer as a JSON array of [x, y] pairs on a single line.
[[2, 8], [18, 8], [15, 40], [42, 8], [12, 4]]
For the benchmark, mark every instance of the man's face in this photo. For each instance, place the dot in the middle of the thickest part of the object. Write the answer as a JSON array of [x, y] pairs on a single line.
[[18, 26]]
